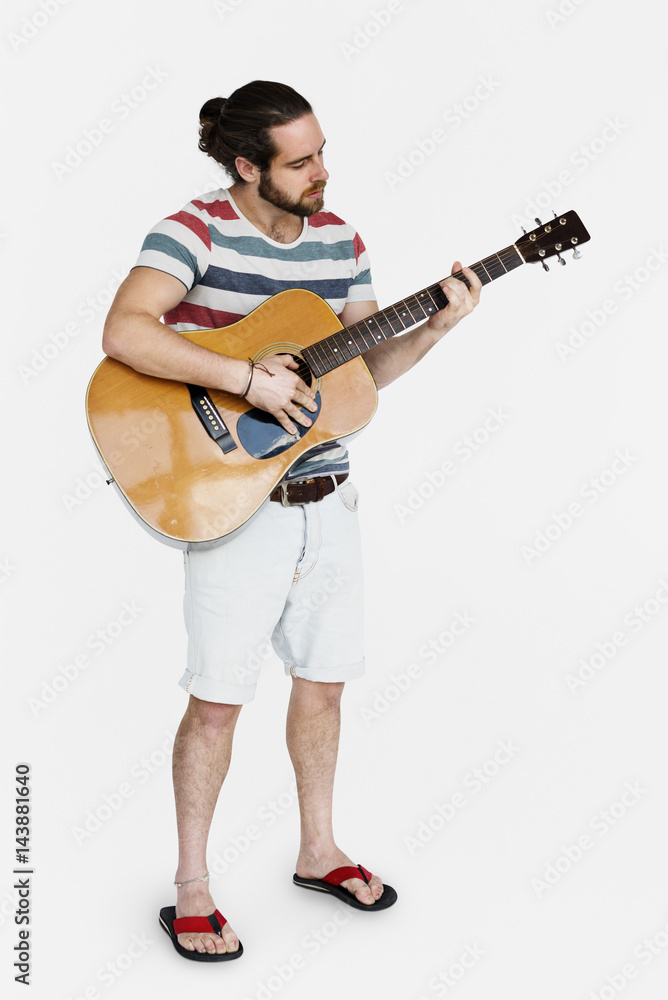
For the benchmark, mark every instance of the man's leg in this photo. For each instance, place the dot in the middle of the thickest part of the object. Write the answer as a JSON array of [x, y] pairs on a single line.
[[200, 762], [312, 732]]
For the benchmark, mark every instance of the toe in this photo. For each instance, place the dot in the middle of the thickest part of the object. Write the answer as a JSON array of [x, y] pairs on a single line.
[[367, 894], [359, 889], [377, 886], [230, 941]]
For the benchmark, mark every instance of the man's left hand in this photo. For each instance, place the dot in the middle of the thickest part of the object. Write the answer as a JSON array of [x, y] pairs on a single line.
[[461, 300]]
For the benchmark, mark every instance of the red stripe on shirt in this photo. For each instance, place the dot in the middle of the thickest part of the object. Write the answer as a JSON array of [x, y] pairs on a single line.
[[217, 209], [358, 246], [325, 219], [196, 226], [205, 319]]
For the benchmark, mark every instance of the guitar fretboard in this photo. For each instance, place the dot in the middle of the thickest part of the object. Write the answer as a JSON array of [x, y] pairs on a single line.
[[354, 340]]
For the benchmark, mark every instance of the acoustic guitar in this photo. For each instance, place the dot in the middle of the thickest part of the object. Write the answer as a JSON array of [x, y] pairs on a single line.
[[194, 463]]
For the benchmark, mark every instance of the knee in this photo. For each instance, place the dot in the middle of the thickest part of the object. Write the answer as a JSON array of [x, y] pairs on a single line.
[[212, 714], [322, 693]]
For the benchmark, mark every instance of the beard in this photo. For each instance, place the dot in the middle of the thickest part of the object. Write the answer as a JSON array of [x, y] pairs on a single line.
[[275, 196]]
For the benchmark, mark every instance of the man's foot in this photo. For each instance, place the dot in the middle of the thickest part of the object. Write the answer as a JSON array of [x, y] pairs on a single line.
[[195, 901], [315, 865]]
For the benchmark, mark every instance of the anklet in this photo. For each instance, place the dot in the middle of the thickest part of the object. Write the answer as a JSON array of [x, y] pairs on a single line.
[[202, 878]]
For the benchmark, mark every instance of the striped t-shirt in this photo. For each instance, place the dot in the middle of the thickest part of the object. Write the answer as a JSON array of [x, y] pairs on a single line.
[[229, 267]]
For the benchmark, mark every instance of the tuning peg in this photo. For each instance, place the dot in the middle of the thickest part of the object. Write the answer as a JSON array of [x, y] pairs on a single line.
[[555, 214], [576, 254], [561, 259], [538, 222], [523, 230], [545, 267]]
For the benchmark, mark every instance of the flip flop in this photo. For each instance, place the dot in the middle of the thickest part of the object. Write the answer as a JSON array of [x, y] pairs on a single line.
[[332, 883], [196, 925]]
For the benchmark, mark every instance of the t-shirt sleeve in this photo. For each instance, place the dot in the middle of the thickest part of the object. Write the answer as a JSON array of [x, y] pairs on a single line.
[[361, 289], [180, 245]]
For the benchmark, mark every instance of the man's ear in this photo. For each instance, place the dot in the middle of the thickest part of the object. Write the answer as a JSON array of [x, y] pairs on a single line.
[[247, 170]]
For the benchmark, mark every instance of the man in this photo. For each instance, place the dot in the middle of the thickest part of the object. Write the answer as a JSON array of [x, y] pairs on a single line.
[[207, 266]]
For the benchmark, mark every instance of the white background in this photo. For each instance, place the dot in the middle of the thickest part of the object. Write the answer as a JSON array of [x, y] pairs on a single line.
[[539, 128]]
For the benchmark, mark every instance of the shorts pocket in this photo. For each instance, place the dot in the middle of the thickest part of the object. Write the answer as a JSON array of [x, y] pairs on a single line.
[[349, 494]]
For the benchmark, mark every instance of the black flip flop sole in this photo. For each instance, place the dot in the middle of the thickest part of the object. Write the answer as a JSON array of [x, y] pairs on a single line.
[[167, 918], [387, 899]]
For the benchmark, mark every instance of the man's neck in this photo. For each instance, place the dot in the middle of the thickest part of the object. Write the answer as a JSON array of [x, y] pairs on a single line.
[[278, 225]]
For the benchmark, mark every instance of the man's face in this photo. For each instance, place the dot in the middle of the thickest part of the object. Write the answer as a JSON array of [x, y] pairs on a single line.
[[296, 178]]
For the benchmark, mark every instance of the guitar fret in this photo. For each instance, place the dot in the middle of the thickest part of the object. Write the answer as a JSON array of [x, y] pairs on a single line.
[[423, 305], [493, 266], [405, 313], [415, 309], [372, 322], [433, 308], [438, 296], [486, 272], [343, 347], [364, 334], [402, 326], [316, 351]]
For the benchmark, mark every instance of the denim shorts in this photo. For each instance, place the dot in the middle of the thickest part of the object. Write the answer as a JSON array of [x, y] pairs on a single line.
[[290, 580]]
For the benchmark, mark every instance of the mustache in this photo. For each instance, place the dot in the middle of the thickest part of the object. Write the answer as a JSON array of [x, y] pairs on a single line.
[[314, 188]]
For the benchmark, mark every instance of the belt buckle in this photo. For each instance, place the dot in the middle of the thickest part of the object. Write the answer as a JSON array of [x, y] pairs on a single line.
[[284, 494]]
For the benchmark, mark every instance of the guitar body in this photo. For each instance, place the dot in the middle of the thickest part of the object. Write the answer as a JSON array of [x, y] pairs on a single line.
[[175, 477]]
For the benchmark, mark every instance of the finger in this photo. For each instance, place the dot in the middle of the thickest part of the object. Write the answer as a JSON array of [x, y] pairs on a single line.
[[305, 398], [475, 283], [454, 289], [285, 422], [297, 415], [287, 360]]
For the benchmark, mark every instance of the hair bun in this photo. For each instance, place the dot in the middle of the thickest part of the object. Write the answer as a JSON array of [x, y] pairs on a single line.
[[209, 116], [210, 111]]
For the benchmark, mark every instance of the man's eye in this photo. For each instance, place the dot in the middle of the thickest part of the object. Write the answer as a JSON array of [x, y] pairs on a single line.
[[297, 166]]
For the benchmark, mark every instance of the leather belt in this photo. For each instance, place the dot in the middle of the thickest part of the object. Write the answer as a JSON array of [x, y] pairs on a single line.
[[303, 491]]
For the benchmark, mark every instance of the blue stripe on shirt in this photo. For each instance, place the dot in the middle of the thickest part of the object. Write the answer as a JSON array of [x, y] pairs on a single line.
[[168, 245], [254, 246], [259, 284]]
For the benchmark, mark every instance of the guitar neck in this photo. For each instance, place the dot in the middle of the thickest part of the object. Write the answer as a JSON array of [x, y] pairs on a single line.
[[342, 346]]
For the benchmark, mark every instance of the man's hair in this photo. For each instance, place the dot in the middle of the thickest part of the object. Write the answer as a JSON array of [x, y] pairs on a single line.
[[241, 125]]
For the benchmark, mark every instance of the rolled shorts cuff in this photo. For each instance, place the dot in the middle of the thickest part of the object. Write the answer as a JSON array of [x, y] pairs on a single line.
[[222, 692], [333, 675]]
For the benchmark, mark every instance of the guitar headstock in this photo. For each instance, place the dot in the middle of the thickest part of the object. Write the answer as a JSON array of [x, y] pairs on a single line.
[[564, 232]]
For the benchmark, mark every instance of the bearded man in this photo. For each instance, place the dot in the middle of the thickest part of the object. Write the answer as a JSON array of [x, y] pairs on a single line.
[[208, 266]]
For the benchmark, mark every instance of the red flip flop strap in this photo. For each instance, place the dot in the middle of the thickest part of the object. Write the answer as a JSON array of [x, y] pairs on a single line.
[[339, 875], [197, 925]]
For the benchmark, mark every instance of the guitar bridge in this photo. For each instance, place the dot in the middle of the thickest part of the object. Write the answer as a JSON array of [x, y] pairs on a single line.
[[210, 418]]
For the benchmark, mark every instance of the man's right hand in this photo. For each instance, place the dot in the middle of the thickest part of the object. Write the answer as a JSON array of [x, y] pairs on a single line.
[[280, 391], [134, 335]]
